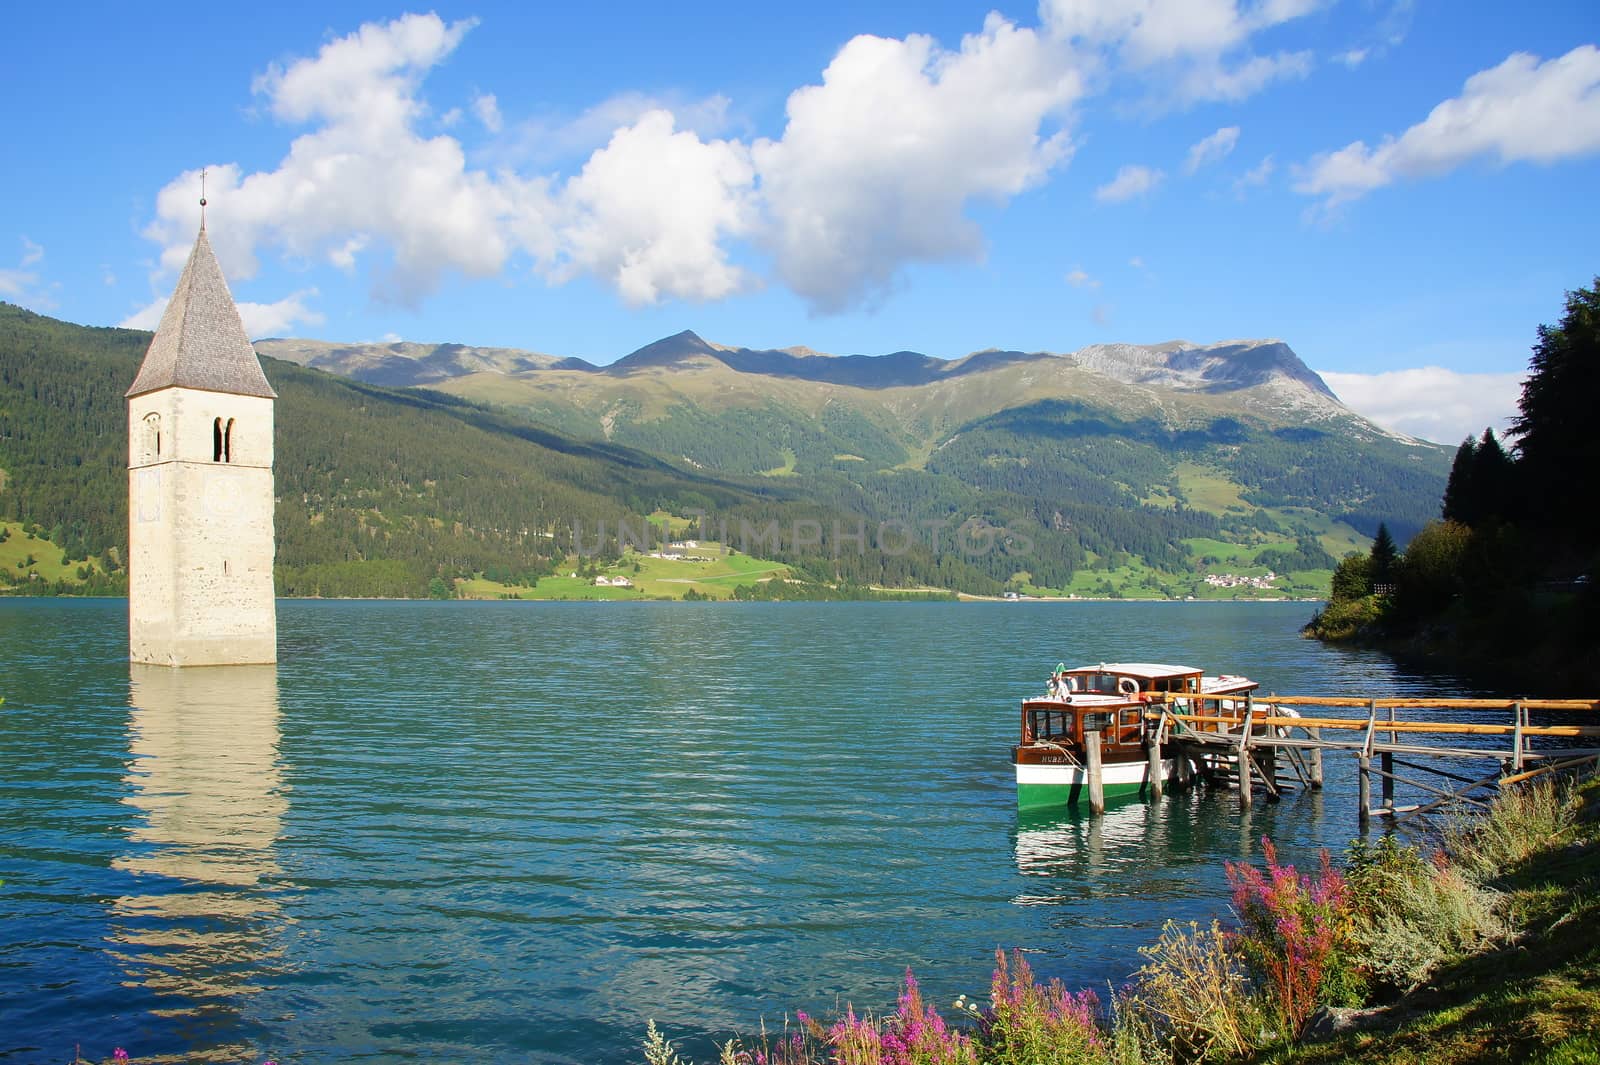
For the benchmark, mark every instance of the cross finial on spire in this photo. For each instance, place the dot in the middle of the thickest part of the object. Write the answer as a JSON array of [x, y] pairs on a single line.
[[203, 197]]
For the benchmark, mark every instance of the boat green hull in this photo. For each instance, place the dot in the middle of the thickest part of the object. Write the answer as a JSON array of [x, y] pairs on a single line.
[[1059, 786]]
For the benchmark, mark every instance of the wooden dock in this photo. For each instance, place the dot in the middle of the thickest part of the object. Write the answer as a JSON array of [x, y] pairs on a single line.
[[1266, 744]]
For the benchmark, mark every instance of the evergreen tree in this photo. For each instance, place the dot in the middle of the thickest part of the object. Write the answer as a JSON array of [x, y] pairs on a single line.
[[1493, 482], [1383, 556], [1460, 499], [1557, 445]]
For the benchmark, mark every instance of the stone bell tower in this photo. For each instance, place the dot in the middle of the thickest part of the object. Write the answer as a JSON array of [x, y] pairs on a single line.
[[200, 493]]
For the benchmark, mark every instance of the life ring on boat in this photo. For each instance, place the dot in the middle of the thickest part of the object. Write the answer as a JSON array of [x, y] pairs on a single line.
[[1127, 686]]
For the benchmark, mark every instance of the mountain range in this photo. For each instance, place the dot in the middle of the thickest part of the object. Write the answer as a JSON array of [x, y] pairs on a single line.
[[1114, 469]]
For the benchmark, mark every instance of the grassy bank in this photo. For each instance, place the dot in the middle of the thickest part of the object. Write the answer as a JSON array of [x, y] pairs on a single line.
[[1481, 946]]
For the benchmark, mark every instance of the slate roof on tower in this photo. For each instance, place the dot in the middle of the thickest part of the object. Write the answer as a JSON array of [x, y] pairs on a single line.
[[201, 342]]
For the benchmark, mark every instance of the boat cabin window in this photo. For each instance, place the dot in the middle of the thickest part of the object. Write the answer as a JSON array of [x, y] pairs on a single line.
[[1097, 683], [1050, 724]]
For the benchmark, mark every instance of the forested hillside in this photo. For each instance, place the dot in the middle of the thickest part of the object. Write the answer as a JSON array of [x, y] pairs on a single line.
[[382, 492], [1504, 584], [970, 483]]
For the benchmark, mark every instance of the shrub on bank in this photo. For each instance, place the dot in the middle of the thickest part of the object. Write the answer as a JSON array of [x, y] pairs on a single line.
[[1415, 914]]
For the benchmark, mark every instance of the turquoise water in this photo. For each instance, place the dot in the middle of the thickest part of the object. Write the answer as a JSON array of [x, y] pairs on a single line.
[[514, 831]]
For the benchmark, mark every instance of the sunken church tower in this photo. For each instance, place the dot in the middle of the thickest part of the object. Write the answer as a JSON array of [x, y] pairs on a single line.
[[200, 492]]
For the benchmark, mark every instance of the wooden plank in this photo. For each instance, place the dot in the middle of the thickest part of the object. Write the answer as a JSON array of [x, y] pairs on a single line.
[[1459, 728], [1554, 767], [1408, 703]]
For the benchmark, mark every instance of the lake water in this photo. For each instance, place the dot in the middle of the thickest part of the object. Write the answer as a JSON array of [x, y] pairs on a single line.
[[515, 831]]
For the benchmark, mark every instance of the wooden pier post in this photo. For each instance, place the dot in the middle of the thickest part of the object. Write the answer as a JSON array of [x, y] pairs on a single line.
[[1364, 790], [1386, 768], [1246, 785], [1386, 765], [1152, 753], [1519, 718], [1316, 758], [1097, 784]]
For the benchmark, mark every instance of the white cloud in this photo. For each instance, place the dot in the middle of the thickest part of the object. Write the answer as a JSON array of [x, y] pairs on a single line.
[[1137, 262], [542, 140], [648, 213], [878, 167], [1077, 277], [1523, 110], [1353, 57], [1256, 176], [280, 318], [260, 319], [1431, 402], [651, 209], [877, 164], [1131, 181], [1201, 46], [14, 283], [146, 317], [1149, 31], [1217, 81], [487, 108], [21, 283], [362, 172], [1211, 149]]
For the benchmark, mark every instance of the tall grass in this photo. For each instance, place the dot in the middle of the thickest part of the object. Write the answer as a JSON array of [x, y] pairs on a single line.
[[1521, 822], [1192, 995]]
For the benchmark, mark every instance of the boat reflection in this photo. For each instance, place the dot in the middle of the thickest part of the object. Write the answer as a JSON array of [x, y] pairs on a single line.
[[205, 779], [1069, 843]]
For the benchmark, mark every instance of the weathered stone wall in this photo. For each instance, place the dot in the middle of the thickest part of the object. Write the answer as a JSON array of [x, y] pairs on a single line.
[[200, 533]]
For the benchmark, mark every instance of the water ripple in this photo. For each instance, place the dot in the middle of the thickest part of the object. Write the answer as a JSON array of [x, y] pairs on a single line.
[[443, 831]]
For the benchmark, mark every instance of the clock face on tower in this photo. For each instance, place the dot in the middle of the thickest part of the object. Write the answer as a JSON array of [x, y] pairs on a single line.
[[222, 494]]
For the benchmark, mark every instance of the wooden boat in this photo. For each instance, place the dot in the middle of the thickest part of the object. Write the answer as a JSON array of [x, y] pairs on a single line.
[[1113, 699]]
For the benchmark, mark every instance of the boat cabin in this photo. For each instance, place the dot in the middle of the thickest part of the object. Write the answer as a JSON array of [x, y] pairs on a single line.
[[1109, 698]]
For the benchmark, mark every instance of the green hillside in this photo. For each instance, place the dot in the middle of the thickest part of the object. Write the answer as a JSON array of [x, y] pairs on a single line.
[[1012, 472], [381, 492]]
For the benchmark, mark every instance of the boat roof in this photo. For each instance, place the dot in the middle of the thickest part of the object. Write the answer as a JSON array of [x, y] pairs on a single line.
[[1138, 669]]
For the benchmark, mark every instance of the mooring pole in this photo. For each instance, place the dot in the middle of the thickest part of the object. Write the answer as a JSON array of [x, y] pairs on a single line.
[[1097, 785], [1516, 736], [1364, 790], [1316, 758], [1153, 754], [1243, 758]]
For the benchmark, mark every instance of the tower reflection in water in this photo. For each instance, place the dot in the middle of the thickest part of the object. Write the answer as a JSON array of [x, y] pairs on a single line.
[[204, 928]]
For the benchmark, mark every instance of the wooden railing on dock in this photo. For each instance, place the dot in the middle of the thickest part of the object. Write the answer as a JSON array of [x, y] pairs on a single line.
[[1240, 738]]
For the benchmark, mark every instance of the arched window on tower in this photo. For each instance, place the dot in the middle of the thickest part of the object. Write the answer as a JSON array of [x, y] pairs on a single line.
[[227, 442], [151, 444], [216, 440]]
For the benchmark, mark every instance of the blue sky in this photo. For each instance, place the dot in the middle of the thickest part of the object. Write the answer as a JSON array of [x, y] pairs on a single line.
[[1397, 189]]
